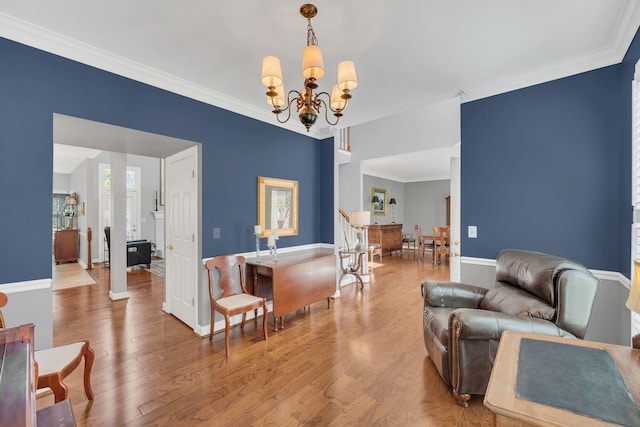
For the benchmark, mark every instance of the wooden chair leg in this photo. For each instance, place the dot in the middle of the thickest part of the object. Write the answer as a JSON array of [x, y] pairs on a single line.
[[244, 318], [59, 389], [89, 357], [227, 320], [213, 315], [265, 315]]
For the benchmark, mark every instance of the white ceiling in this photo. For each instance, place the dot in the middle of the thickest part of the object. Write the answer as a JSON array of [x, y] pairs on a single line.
[[407, 53]]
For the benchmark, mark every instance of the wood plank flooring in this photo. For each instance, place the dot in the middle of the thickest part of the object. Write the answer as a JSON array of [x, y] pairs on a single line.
[[360, 363], [69, 275]]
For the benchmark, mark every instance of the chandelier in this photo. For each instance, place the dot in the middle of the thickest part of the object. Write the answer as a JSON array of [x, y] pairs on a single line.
[[308, 103]]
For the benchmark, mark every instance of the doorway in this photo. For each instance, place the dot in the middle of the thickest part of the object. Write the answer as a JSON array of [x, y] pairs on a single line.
[[140, 201]]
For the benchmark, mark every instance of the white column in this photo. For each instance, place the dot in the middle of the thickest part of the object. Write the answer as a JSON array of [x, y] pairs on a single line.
[[118, 245]]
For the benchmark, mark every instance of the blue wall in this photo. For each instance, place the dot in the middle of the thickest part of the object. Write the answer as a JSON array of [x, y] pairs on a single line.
[[235, 151], [548, 168]]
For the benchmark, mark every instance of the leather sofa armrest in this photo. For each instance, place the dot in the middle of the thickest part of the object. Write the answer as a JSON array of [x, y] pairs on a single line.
[[471, 324], [451, 294]]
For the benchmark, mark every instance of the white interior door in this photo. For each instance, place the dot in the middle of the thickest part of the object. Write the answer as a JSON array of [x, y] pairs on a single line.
[[454, 264], [181, 219]]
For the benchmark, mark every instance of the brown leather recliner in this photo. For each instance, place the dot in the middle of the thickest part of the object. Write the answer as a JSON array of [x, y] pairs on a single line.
[[533, 292]]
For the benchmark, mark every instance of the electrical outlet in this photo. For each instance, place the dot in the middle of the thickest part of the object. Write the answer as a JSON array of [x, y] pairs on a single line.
[[472, 232], [216, 232]]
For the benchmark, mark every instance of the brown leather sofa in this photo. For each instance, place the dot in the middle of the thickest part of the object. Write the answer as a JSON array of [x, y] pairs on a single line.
[[533, 292]]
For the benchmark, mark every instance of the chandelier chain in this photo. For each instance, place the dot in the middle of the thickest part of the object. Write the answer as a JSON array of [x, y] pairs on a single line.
[[312, 40]]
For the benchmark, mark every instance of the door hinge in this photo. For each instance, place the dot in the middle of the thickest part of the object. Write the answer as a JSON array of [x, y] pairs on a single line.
[[193, 173], [193, 237], [193, 302]]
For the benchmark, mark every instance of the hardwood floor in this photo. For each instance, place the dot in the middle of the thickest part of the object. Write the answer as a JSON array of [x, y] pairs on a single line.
[[361, 362]]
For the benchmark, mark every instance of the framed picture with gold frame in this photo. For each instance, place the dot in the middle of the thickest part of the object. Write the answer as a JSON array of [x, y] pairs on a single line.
[[277, 206], [378, 201]]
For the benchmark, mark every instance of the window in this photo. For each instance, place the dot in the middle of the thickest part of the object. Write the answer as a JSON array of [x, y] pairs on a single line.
[[57, 221], [132, 203]]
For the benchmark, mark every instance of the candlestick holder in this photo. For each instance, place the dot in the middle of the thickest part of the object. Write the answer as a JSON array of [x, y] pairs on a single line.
[[273, 253], [258, 246]]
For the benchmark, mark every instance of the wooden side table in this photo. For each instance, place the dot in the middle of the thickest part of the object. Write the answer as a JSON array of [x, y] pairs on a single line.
[[509, 410]]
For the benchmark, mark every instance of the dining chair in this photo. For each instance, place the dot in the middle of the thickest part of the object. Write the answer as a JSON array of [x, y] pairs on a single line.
[[56, 363], [424, 242], [442, 243], [418, 231], [409, 240], [231, 296]]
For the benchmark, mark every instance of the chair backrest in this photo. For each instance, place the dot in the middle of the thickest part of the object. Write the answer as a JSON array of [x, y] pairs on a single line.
[[441, 235], [226, 265], [418, 230], [566, 287]]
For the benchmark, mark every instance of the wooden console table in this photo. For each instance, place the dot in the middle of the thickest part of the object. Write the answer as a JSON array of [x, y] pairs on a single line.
[[388, 236], [510, 410], [294, 281]]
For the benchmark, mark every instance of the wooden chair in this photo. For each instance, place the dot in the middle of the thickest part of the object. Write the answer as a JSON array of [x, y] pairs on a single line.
[[375, 250], [55, 364], [409, 240], [422, 242], [442, 243], [232, 299]]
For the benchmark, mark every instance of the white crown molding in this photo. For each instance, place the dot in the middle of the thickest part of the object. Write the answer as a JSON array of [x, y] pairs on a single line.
[[613, 54], [32, 35]]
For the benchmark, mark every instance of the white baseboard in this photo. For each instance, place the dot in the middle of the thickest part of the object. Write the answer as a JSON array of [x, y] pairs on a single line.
[[121, 295]]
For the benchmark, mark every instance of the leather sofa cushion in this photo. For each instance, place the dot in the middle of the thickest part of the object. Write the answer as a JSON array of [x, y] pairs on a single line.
[[534, 272], [507, 299]]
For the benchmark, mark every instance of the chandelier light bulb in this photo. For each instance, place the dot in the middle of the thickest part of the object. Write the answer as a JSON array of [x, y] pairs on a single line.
[[271, 72], [312, 63]]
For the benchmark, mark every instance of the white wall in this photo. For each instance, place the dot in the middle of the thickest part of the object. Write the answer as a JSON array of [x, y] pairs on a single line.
[[431, 127], [60, 183], [426, 205]]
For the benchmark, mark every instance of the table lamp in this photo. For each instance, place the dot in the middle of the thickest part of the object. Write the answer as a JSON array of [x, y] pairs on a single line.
[[392, 202], [374, 201], [360, 220], [633, 301]]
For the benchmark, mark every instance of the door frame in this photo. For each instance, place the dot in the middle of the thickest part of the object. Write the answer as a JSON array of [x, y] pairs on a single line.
[[454, 244]]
